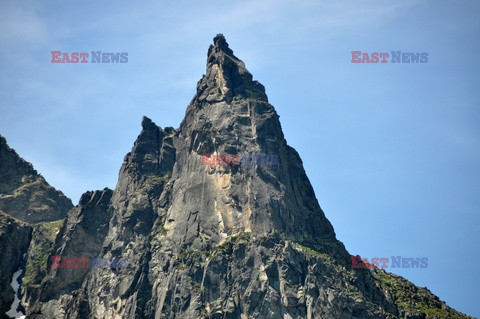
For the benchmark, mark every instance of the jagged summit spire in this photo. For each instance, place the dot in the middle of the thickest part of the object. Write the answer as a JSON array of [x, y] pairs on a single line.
[[220, 44], [226, 76], [228, 98]]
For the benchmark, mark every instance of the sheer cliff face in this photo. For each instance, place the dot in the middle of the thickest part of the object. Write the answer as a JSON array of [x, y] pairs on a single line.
[[210, 241]]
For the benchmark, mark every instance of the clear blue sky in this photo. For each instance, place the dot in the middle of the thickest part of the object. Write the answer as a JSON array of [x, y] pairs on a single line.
[[392, 150]]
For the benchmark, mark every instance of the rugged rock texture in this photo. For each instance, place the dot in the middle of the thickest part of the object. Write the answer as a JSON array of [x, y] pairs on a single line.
[[225, 241], [28, 205], [14, 239], [81, 235], [39, 249], [24, 194]]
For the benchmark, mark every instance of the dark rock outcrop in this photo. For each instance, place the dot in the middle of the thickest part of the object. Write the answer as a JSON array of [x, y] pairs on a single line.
[[14, 240], [81, 236], [39, 249]]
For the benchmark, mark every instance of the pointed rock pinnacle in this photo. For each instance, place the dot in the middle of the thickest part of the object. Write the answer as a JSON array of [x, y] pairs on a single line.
[[227, 77]]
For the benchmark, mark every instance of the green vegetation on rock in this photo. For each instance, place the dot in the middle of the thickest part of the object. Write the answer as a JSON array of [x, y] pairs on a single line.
[[157, 179], [412, 300], [43, 238]]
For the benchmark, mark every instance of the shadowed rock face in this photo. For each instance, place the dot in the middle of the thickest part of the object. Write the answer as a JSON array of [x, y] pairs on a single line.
[[224, 241], [14, 239]]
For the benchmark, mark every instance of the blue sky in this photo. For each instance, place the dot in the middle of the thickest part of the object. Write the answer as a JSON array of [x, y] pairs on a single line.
[[392, 150]]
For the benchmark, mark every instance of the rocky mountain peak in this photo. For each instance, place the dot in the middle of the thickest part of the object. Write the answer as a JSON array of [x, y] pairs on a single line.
[[230, 111], [235, 241], [226, 76], [230, 115], [220, 44]]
